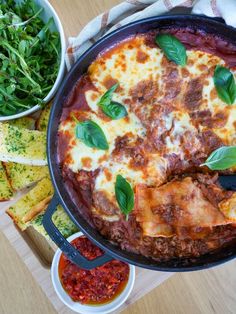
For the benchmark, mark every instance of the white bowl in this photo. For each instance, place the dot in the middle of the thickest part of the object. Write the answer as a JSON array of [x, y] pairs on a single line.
[[45, 15], [88, 309]]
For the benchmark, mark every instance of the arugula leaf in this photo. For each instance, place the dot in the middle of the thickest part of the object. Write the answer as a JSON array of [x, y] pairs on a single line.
[[173, 49], [29, 56], [91, 134], [225, 84], [222, 158], [20, 23], [112, 109], [124, 195], [42, 34], [24, 67]]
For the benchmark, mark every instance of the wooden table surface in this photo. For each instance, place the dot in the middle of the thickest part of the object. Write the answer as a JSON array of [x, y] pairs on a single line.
[[209, 291]]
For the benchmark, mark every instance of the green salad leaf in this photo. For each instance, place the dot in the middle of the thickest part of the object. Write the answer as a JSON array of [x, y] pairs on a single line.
[[173, 49], [29, 56]]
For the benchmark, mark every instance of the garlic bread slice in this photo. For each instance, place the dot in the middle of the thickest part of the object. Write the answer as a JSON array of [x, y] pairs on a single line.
[[42, 122], [37, 209], [6, 191], [22, 145], [22, 176], [24, 209], [60, 219], [24, 123], [63, 222], [37, 224]]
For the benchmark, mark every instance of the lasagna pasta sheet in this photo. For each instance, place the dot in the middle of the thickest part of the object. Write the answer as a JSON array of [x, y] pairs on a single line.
[[176, 204]]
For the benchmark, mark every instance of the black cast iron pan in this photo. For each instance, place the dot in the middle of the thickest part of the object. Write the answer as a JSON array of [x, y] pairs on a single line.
[[62, 197]]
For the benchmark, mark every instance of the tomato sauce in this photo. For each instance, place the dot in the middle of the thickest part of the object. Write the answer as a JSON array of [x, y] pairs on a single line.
[[199, 40], [76, 100], [97, 286]]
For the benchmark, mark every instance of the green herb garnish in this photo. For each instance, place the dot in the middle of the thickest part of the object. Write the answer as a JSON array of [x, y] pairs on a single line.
[[112, 109], [173, 49], [222, 158], [91, 134], [29, 56], [225, 84], [124, 195]]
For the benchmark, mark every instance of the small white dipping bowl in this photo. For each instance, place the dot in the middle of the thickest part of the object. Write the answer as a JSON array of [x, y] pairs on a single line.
[[88, 309], [47, 13]]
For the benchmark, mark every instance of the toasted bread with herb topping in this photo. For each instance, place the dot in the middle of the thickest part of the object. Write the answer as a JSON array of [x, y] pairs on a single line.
[[37, 209], [22, 176], [25, 206], [22, 145], [24, 123], [6, 191], [60, 219], [42, 122]]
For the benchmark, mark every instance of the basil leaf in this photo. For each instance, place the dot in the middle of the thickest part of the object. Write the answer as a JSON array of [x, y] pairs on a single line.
[[112, 109], [225, 84], [173, 49], [124, 195], [222, 158], [106, 98], [91, 134]]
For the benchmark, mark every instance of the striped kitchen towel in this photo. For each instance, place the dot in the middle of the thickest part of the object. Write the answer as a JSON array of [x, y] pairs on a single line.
[[131, 10]]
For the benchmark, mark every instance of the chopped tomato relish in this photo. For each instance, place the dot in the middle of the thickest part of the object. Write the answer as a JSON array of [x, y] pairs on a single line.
[[97, 286]]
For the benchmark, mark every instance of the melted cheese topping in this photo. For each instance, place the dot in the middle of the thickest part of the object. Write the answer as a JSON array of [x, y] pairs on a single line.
[[78, 151], [131, 63], [180, 125], [122, 66]]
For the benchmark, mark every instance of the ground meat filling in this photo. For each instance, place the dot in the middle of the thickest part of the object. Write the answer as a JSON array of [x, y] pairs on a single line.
[[211, 189], [130, 238], [168, 212], [193, 95], [80, 187], [103, 205], [145, 92], [157, 128], [210, 141], [172, 81], [143, 97], [205, 118]]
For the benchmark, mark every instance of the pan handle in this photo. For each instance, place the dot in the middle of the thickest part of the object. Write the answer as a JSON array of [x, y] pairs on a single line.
[[68, 249]]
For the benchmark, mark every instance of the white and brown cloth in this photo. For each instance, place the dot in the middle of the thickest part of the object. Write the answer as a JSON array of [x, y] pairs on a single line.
[[132, 10]]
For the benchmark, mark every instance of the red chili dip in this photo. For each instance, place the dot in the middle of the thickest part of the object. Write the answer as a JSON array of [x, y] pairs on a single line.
[[97, 286]]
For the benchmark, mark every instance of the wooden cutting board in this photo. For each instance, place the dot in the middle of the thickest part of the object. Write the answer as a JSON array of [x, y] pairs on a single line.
[[37, 254]]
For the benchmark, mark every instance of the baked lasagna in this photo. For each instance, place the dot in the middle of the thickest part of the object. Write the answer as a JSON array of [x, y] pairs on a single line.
[[134, 137]]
